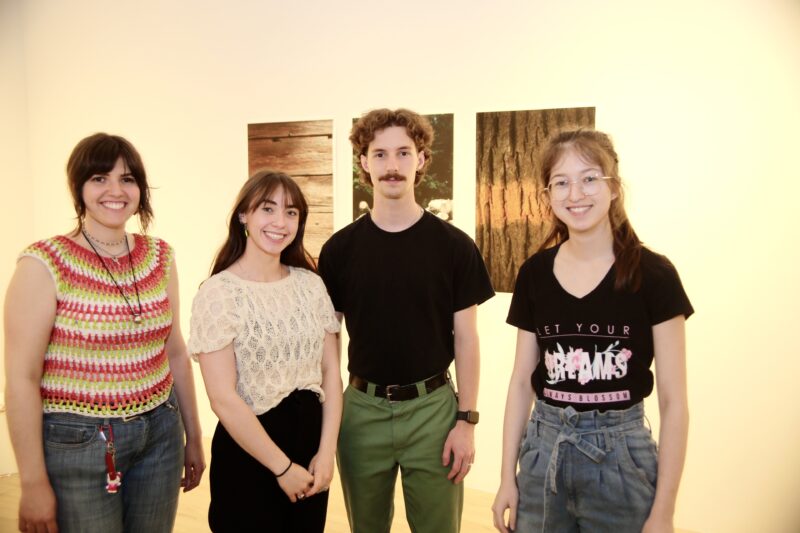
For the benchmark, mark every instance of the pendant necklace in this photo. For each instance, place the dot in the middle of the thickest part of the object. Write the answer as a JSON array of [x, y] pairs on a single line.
[[97, 242], [137, 316]]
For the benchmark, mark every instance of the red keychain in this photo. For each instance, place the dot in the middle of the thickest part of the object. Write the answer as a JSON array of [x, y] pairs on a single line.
[[113, 477]]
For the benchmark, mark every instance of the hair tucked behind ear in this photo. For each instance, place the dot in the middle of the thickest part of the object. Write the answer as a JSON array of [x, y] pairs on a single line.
[[596, 147], [255, 191]]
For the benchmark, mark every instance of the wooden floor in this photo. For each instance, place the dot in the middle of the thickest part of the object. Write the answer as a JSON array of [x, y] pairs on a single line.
[[193, 509]]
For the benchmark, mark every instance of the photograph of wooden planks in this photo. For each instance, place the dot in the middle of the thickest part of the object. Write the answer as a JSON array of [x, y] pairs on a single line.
[[303, 150], [509, 223]]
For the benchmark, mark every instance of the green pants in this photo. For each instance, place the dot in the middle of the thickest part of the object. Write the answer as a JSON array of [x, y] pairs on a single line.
[[375, 439]]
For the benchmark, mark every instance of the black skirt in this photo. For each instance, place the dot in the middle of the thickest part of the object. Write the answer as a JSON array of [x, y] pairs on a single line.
[[245, 495]]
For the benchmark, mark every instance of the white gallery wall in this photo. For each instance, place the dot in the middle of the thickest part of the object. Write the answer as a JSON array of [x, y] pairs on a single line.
[[700, 97], [16, 214]]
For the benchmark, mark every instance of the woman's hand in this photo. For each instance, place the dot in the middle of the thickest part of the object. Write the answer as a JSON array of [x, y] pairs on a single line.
[[296, 482], [194, 464], [321, 467], [507, 498], [37, 509]]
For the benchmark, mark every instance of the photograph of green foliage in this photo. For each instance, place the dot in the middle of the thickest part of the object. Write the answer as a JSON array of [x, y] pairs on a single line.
[[435, 191]]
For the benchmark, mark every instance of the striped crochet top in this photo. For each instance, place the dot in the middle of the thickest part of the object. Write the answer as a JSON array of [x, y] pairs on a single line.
[[99, 362]]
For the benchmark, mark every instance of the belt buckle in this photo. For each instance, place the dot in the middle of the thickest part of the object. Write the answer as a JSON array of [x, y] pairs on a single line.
[[389, 389]]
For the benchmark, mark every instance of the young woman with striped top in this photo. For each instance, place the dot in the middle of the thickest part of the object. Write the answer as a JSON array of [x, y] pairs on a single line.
[[93, 348]]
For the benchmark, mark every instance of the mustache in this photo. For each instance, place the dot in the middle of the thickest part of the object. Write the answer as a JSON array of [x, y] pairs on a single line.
[[390, 175]]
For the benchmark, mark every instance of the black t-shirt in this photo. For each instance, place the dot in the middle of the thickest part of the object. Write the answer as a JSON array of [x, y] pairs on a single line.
[[595, 351], [398, 292]]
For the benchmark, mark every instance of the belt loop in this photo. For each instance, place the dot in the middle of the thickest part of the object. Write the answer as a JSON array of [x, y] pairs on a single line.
[[421, 388], [371, 389]]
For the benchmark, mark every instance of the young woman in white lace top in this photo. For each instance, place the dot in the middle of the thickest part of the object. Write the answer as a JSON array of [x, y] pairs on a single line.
[[264, 332]]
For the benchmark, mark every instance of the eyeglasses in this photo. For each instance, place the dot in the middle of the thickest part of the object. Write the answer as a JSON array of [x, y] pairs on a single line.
[[559, 189]]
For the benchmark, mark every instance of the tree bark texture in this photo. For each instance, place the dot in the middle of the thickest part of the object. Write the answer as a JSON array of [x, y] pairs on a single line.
[[303, 150], [510, 222]]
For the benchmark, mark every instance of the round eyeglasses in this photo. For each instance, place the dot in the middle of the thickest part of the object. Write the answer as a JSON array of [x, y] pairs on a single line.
[[589, 186]]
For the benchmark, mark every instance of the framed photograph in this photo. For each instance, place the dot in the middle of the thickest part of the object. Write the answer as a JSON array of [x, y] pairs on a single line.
[[509, 222], [303, 150], [435, 191]]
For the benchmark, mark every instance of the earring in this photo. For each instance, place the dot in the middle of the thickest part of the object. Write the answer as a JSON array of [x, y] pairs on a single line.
[[246, 233]]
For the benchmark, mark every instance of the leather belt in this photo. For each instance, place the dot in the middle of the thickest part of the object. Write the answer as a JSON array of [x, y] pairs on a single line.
[[399, 393]]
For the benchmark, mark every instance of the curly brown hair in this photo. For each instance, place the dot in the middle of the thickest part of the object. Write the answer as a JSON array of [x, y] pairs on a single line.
[[417, 126]]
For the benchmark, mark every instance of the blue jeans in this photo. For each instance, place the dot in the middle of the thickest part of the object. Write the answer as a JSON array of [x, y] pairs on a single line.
[[586, 471], [149, 453]]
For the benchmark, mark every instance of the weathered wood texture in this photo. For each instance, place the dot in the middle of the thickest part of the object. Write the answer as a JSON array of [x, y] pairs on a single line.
[[509, 221], [303, 150]]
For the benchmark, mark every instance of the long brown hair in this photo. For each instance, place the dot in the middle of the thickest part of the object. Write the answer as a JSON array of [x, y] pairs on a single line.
[[596, 147], [258, 189]]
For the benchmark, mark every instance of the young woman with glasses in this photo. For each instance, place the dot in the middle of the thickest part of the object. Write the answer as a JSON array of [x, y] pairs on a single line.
[[594, 308]]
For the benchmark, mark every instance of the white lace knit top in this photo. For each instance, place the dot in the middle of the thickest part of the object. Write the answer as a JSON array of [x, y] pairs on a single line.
[[277, 330]]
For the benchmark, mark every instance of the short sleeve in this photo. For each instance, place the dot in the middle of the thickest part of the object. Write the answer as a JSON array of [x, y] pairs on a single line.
[[46, 252], [215, 321], [472, 282], [324, 308], [167, 256], [663, 289], [327, 271], [521, 311]]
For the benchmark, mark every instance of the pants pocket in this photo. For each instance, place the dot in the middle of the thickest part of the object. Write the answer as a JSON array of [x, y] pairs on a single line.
[[639, 454], [68, 436]]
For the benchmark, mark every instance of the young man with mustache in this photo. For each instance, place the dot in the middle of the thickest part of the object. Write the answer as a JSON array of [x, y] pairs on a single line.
[[408, 285]]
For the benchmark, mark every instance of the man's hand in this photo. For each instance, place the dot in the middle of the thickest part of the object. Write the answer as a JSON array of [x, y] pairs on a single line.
[[460, 445]]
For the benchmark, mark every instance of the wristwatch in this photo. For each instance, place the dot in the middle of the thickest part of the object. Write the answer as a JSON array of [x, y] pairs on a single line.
[[471, 417]]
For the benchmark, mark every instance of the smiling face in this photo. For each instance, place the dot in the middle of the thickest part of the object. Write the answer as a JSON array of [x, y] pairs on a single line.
[[579, 212], [392, 162], [272, 225], [111, 198]]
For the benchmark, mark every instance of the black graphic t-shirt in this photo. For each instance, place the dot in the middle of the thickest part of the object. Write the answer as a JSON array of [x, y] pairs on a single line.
[[595, 351]]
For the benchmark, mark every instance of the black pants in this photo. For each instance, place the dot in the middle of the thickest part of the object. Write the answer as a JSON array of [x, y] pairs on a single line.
[[245, 496]]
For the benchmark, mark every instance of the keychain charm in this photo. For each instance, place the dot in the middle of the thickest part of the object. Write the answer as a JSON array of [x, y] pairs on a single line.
[[113, 477], [112, 485]]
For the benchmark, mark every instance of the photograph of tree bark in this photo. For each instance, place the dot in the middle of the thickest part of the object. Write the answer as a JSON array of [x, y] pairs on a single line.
[[304, 151], [435, 192], [509, 223]]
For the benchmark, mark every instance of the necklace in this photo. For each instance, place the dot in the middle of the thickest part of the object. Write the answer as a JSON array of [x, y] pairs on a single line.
[[137, 316], [89, 236], [114, 256]]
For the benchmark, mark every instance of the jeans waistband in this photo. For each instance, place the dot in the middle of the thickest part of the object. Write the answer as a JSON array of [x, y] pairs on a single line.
[[588, 421], [573, 425]]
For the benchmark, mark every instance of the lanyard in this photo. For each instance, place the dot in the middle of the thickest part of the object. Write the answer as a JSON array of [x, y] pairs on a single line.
[[113, 477]]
